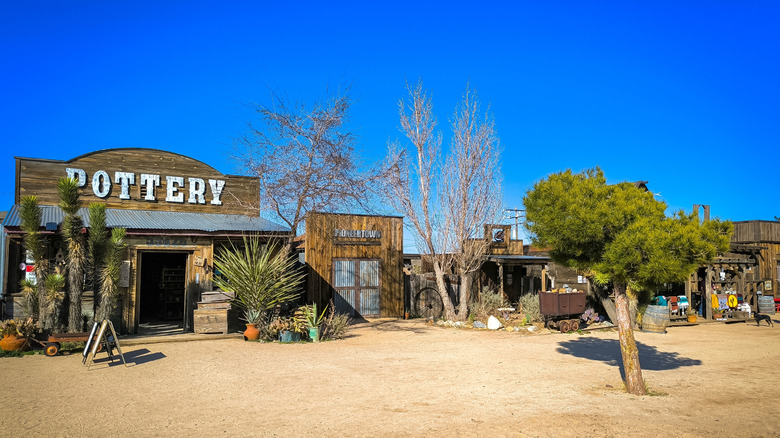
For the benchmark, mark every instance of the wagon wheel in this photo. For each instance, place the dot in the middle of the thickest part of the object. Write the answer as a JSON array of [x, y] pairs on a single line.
[[428, 303], [550, 324], [575, 325], [51, 349], [563, 326]]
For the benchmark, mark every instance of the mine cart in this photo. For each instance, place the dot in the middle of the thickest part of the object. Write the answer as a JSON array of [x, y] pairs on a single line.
[[558, 308]]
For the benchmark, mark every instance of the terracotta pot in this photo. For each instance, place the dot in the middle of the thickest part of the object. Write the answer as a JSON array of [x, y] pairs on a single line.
[[691, 318], [12, 343], [252, 333]]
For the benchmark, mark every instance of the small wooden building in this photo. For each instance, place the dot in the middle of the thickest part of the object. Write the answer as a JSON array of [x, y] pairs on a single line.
[[177, 212], [357, 261]]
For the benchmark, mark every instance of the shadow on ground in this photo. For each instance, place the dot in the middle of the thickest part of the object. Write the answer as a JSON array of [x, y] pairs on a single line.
[[135, 357], [390, 325], [608, 351]]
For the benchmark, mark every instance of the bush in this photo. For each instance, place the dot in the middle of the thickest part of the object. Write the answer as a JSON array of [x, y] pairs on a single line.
[[335, 325], [529, 304], [489, 303]]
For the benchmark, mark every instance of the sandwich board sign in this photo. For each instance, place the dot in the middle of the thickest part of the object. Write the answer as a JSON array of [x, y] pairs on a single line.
[[94, 343]]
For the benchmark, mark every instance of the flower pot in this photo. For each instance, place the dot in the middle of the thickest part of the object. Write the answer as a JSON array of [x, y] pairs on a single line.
[[691, 318], [289, 336], [252, 333], [314, 334], [13, 343]]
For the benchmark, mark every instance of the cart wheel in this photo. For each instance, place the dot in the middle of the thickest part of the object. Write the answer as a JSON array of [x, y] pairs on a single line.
[[51, 348], [575, 325], [550, 324], [564, 326], [428, 303]]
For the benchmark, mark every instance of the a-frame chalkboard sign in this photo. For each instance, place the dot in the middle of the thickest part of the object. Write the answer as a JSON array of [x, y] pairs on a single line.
[[107, 339]]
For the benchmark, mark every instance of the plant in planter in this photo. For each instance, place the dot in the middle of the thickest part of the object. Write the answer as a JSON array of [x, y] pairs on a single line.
[[15, 333], [692, 316], [262, 276], [253, 317], [313, 321]]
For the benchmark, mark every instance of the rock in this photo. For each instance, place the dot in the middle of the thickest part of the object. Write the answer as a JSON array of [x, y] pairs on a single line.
[[493, 323], [510, 329], [479, 324], [531, 328]]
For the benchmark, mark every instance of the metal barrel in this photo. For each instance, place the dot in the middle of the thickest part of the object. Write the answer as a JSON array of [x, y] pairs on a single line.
[[655, 319], [766, 305]]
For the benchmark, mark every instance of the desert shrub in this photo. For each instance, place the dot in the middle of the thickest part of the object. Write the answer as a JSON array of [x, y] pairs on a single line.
[[335, 325], [489, 303], [529, 305]]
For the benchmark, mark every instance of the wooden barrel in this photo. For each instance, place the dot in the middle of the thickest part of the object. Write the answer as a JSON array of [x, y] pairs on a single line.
[[655, 319], [766, 305]]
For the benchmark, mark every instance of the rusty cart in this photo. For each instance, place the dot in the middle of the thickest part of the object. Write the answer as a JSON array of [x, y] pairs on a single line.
[[557, 310], [51, 346]]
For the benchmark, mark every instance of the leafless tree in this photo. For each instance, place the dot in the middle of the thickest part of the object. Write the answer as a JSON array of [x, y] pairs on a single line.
[[304, 157], [447, 200]]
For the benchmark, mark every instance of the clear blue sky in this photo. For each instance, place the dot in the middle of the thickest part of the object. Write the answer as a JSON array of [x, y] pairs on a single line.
[[683, 94]]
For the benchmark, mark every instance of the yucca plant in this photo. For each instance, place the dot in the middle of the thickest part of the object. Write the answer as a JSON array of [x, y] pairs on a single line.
[[34, 242], [261, 276], [54, 284], [97, 242], [30, 298], [109, 275], [70, 203]]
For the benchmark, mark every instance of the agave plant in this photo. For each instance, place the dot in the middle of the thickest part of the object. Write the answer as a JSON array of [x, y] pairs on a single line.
[[260, 275]]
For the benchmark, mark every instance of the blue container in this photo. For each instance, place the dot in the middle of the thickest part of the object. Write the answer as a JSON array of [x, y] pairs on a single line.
[[288, 336]]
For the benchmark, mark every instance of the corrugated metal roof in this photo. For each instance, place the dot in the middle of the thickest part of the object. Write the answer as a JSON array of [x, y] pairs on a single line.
[[158, 220]]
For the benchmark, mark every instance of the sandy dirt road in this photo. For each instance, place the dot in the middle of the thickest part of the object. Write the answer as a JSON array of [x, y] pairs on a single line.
[[406, 378]]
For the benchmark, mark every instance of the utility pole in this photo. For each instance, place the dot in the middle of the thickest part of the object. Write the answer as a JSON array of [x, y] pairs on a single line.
[[514, 213]]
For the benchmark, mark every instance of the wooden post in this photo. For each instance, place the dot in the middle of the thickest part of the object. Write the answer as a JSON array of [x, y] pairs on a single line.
[[544, 278], [708, 293], [688, 292], [501, 279]]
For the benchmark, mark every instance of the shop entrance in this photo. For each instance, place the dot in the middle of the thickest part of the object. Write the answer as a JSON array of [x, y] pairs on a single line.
[[163, 281]]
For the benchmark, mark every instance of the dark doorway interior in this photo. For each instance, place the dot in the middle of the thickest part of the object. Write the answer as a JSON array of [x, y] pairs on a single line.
[[162, 287]]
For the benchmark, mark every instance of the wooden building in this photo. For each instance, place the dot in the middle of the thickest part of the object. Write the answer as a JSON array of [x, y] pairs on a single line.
[[357, 261], [177, 212]]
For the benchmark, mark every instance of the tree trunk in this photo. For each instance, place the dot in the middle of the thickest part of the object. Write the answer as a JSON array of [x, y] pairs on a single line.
[[463, 305], [449, 309], [633, 373], [43, 301]]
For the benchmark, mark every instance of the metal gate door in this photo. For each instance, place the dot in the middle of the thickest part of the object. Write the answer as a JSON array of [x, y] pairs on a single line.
[[357, 286]]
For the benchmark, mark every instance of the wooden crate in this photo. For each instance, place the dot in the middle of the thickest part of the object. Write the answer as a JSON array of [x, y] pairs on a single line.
[[215, 321]]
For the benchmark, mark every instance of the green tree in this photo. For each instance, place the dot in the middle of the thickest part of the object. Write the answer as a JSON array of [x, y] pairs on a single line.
[[261, 276], [34, 242], [619, 234], [54, 283], [97, 242], [109, 274], [72, 224]]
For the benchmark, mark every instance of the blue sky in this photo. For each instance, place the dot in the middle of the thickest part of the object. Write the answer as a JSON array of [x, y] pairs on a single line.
[[683, 94]]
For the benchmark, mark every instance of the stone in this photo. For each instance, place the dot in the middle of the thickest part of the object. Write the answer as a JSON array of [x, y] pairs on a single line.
[[493, 323], [479, 324], [531, 328]]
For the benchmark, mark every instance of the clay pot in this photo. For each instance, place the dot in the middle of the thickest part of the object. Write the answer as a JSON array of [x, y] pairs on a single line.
[[12, 343], [691, 318], [252, 333]]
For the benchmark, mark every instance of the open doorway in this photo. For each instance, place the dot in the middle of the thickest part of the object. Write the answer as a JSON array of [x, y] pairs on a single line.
[[163, 282]]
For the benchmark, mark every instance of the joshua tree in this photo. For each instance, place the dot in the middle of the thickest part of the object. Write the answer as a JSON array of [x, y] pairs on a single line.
[[109, 274], [54, 284], [30, 303], [97, 242], [35, 243], [76, 255]]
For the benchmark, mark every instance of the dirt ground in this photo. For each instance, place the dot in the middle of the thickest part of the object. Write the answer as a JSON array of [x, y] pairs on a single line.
[[406, 378]]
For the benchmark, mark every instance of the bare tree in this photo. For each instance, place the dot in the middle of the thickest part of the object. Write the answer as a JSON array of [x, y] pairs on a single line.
[[447, 205], [304, 157]]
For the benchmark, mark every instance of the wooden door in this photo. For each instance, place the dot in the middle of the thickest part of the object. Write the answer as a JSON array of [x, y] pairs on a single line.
[[357, 285]]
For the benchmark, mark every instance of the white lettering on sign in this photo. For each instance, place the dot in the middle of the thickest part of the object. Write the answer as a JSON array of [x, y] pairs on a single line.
[[124, 179], [197, 187], [171, 182], [365, 234], [150, 181], [101, 186], [78, 174], [216, 190]]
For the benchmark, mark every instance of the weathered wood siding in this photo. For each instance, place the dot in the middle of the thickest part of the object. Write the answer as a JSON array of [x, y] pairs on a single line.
[[756, 232], [322, 247], [39, 177]]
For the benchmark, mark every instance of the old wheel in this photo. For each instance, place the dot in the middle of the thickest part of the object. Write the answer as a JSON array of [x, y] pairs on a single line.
[[51, 349], [550, 324], [564, 326], [575, 325], [427, 303]]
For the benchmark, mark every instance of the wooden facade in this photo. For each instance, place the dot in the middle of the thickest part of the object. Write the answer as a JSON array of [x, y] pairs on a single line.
[[333, 239], [182, 257], [765, 236], [221, 194]]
